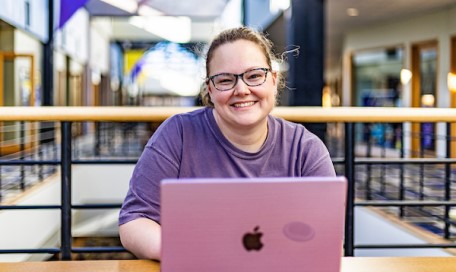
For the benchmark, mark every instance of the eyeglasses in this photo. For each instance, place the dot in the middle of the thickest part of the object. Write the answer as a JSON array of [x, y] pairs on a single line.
[[227, 81]]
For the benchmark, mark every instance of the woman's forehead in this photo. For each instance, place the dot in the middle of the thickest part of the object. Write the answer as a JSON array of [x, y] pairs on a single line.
[[239, 46], [241, 53]]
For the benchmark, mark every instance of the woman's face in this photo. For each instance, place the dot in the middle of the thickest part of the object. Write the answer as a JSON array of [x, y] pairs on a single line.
[[243, 106]]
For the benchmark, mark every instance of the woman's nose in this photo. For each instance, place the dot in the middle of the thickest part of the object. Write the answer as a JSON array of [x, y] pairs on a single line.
[[241, 88]]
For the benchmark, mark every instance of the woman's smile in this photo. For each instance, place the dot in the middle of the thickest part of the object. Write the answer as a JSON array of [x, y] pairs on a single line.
[[243, 104]]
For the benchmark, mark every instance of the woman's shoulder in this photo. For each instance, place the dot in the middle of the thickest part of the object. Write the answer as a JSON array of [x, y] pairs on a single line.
[[193, 116], [172, 129], [292, 129], [178, 123], [185, 117], [282, 124]]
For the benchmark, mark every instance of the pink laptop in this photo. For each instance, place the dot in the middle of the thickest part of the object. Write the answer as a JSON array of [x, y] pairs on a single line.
[[260, 224]]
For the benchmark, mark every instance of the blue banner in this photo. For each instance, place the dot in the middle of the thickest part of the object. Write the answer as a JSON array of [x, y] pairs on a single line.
[[67, 9]]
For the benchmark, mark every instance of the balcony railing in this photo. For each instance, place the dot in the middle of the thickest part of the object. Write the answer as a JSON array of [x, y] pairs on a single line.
[[410, 190]]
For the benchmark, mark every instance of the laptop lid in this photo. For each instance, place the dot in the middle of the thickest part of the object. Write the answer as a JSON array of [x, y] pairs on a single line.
[[259, 224]]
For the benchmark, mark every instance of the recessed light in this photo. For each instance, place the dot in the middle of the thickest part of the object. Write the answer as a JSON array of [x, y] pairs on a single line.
[[352, 12]]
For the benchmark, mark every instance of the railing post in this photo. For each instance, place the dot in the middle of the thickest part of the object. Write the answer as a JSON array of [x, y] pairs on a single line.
[[401, 172], [368, 194], [40, 167], [97, 139], [421, 179], [21, 152], [383, 167], [447, 182], [350, 175], [65, 232]]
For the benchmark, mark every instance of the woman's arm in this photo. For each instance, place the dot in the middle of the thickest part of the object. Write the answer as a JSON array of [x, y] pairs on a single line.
[[142, 237]]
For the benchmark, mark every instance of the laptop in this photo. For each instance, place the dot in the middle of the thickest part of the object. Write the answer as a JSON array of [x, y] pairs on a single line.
[[253, 224]]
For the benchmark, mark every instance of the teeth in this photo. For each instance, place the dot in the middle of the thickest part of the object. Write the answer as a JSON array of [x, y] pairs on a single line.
[[245, 104]]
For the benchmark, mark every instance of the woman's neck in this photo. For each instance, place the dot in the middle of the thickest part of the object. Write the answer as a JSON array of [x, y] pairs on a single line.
[[248, 139]]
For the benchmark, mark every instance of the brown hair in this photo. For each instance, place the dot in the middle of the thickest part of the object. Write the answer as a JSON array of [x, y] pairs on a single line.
[[230, 36]]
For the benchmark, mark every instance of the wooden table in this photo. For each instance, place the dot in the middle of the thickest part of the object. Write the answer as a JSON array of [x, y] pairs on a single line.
[[349, 264], [398, 264], [82, 266]]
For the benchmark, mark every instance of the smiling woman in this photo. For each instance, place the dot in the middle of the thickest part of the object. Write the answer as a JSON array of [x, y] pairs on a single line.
[[241, 107], [233, 136]]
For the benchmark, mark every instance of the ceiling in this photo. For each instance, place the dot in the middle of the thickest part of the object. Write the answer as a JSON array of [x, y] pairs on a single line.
[[203, 12], [197, 9]]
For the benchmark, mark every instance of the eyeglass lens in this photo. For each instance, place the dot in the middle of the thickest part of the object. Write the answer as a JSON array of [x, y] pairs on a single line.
[[251, 78]]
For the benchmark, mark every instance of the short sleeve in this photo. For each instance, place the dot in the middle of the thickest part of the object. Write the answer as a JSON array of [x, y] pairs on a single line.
[[317, 161], [159, 160]]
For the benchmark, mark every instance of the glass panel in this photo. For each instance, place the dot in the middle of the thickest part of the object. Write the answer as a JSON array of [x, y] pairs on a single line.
[[8, 83], [377, 77], [428, 62], [17, 91], [9, 130], [428, 79], [377, 84]]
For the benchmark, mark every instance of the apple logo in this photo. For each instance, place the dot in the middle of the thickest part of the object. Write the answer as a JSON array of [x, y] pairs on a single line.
[[252, 240]]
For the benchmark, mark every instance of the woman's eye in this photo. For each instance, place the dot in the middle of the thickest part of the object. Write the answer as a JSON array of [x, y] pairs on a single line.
[[224, 80], [254, 76]]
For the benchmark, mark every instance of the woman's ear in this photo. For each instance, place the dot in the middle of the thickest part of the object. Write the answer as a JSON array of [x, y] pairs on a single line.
[[274, 78], [208, 86], [209, 90]]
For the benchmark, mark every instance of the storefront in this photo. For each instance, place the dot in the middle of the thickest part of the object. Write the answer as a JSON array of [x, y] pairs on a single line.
[[403, 63], [21, 39]]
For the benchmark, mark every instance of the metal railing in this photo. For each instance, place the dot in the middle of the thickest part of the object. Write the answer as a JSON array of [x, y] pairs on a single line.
[[347, 164], [21, 141]]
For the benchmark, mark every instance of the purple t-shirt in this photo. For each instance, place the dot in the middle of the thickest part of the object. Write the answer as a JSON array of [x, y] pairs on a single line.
[[192, 145]]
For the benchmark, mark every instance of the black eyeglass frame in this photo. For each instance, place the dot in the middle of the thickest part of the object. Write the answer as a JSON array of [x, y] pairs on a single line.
[[237, 76]]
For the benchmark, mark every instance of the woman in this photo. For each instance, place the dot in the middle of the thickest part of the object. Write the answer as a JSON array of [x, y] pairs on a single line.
[[233, 136]]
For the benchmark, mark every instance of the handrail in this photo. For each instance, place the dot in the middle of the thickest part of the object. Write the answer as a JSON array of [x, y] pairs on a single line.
[[294, 114]]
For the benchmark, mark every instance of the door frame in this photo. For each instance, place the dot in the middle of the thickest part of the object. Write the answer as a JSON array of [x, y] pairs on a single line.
[[12, 56], [416, 89], [453, 94]]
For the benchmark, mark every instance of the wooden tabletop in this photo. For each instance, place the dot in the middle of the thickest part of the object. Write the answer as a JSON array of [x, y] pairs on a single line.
[[82, 266], [349, 264], [398, 264]]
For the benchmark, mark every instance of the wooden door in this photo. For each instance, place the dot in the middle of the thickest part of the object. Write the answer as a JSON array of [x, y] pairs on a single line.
[[424, 94], [12, 95]]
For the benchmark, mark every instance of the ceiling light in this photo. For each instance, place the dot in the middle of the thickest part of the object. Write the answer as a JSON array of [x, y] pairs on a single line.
[[352, 12], [278, 5], [451, 81], [174, 29], [130, 6], [406, 75], [427, 100], [145, 10]]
